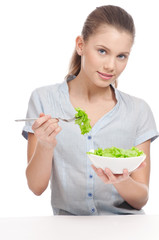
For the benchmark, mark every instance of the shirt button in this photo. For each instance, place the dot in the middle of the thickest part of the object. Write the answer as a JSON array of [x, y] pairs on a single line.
[[93, 210], [89, 194], [89, 137], [90, 176]]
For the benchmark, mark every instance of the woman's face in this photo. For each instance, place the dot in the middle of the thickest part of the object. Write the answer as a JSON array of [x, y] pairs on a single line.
[[104, 56]]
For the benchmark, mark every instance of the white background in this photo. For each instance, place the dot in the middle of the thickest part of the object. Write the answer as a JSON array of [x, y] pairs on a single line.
[[36, 42]]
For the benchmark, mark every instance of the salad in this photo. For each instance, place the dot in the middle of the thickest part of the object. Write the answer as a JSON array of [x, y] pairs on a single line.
[[82, 120], [117, 152]]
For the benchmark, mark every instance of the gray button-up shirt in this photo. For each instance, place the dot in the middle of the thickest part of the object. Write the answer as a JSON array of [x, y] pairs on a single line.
[[76, 189]]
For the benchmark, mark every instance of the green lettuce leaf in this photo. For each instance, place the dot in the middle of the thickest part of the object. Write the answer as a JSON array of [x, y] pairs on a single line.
[[117, 152], [83, 121]]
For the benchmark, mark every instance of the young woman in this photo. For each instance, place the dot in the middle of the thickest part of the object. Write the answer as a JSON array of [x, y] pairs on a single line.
[[57, 150]]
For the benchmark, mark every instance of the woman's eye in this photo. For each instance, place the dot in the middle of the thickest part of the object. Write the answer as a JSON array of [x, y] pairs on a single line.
[[102, 51], [122, 56]]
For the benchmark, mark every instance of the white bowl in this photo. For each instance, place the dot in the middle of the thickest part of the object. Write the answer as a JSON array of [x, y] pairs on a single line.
[[116, 165]]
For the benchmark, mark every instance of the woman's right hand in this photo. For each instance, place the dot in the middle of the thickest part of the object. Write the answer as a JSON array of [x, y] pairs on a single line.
[[45, 130]]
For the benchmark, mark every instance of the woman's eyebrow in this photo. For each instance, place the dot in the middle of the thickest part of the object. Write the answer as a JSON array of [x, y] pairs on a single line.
[[102, 46]]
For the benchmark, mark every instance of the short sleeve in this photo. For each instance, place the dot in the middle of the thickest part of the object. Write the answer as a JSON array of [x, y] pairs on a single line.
[[34, 109], [146, 126]]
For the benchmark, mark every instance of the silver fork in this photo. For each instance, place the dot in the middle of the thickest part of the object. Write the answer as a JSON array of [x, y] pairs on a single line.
[[34, 119]]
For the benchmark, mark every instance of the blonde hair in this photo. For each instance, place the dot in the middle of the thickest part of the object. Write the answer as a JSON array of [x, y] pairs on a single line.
[[109, 14]]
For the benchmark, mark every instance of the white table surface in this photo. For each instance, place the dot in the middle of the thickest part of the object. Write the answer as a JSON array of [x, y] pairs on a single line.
[[127, 227]]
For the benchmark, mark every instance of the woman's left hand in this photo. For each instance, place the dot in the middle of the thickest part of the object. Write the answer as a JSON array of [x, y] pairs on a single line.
[[109, 178]]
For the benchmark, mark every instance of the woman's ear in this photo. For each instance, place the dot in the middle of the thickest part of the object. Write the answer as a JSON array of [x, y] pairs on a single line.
[[79, 45]]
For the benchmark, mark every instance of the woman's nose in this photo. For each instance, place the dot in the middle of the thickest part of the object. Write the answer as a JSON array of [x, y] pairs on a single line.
[[109, 63]]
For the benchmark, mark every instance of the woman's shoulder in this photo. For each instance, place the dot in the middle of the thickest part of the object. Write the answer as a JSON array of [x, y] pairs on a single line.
[[133, 101], [129, 97], [43, 91], [47, 88]]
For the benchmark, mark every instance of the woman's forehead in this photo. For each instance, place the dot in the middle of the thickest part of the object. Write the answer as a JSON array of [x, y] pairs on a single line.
[[111, 37]]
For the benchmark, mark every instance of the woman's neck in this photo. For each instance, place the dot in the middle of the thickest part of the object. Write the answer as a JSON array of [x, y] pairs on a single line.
[[89, 92]]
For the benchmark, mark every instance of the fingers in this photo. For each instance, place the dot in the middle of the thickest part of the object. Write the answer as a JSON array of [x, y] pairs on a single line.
[[101, 174], [42, 119], [142, 165], [55, 132], [42, 114], [112, 178], [45, 129], [125, 173], [108, 177], [49, 127]]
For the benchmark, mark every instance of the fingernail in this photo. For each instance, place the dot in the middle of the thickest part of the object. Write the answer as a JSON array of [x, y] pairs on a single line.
[[100, 171], [107, 171]]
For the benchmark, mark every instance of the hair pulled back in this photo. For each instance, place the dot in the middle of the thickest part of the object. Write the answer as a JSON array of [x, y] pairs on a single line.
[[108, 14]]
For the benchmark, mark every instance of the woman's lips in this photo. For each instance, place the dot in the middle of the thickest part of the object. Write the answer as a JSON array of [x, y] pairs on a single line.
[[105, 75]]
